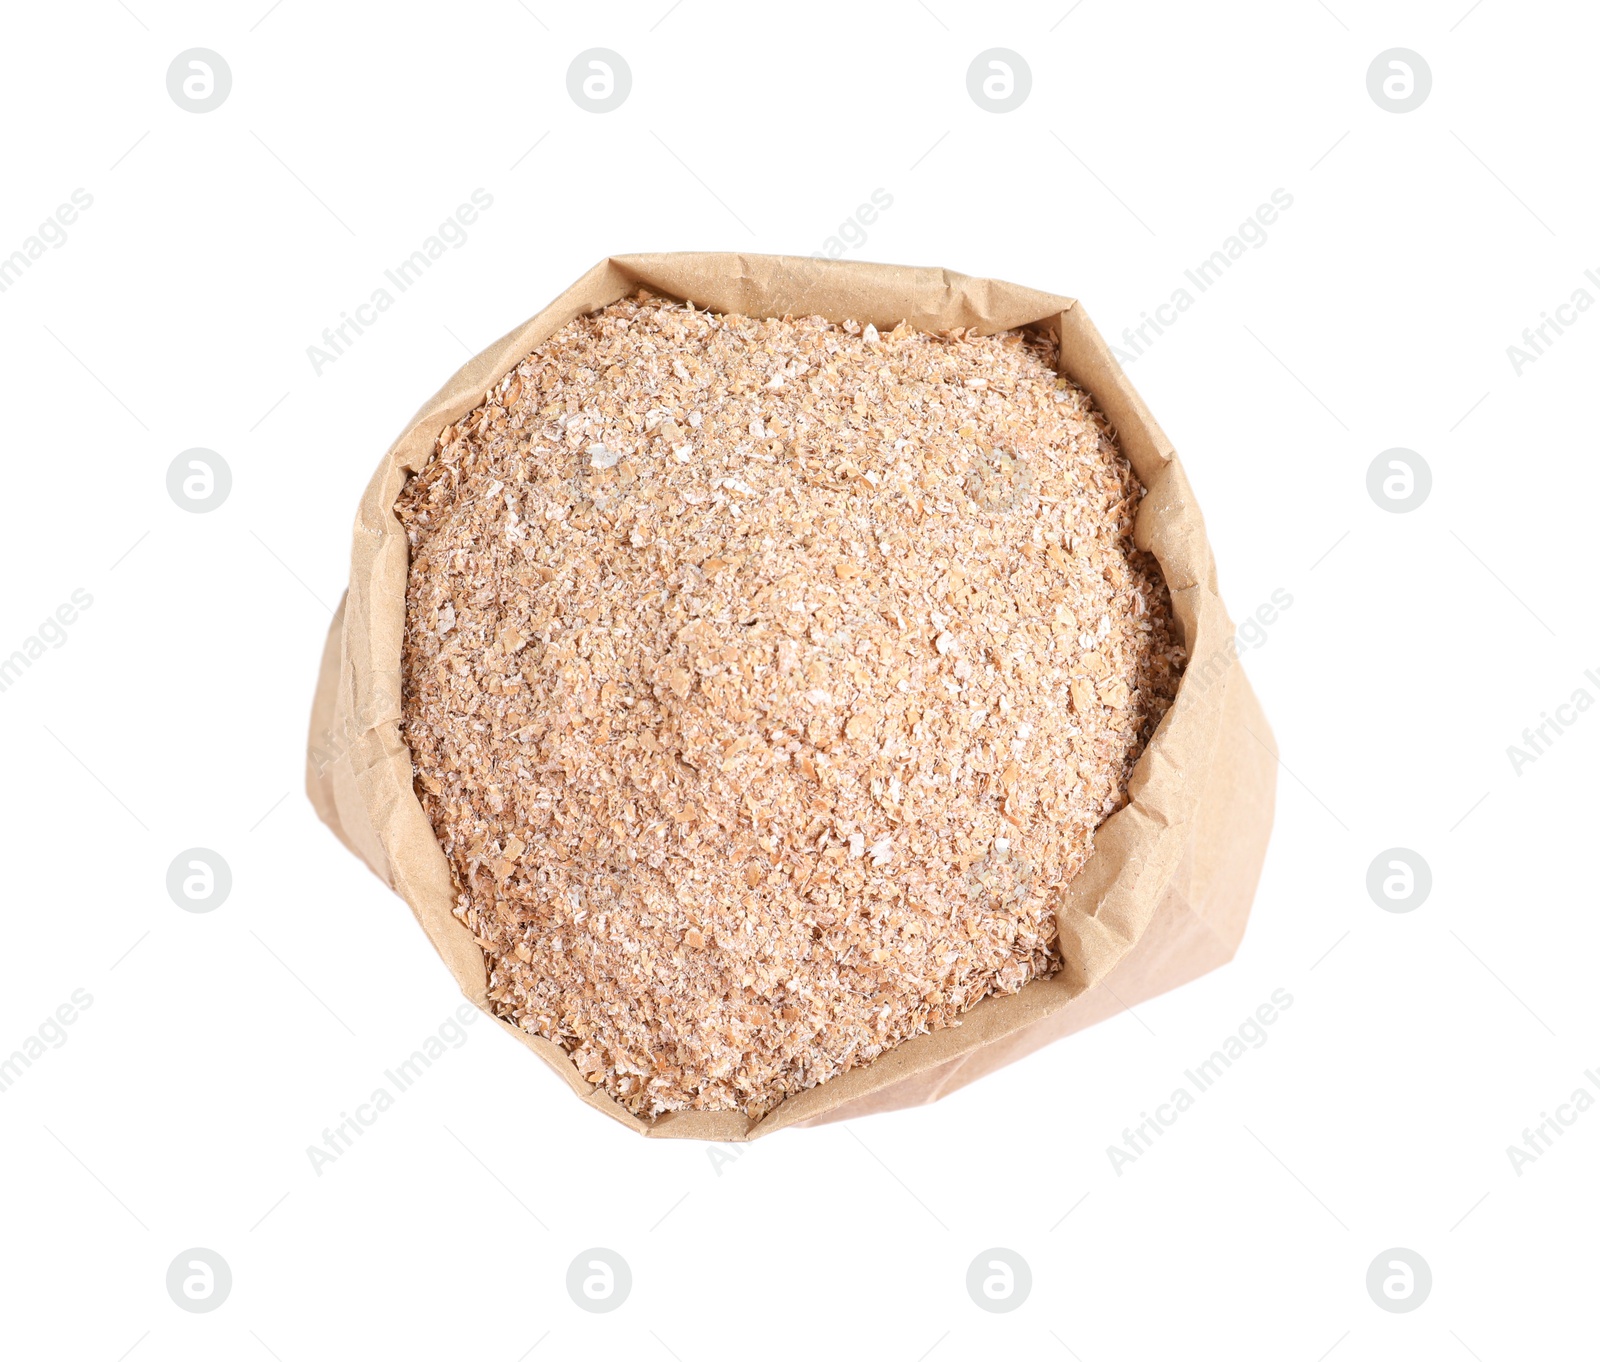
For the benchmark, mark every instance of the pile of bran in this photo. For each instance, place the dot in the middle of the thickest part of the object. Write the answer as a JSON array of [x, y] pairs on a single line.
[[765, 680]]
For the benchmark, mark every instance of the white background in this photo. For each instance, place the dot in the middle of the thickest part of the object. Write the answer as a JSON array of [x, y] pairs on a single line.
[[1418, 647]]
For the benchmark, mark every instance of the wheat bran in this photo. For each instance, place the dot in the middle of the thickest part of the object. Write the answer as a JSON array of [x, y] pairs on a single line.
[[764, 682]]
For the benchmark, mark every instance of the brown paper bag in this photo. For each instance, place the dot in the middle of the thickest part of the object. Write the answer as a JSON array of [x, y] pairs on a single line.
[[1166, 892]]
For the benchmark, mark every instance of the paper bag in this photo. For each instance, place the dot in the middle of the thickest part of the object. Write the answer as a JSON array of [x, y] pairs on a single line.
[[1165, 894]]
